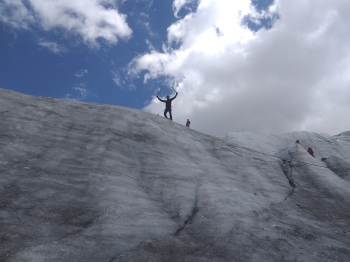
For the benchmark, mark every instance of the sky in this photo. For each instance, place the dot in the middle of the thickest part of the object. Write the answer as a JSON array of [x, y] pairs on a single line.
[[250, 65]]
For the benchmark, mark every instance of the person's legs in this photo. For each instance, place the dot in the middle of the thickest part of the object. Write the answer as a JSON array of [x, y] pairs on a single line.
[[165, 112], [171, 117]]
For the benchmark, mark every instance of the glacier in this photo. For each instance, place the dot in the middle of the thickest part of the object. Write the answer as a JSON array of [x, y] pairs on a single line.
[[91, 182]]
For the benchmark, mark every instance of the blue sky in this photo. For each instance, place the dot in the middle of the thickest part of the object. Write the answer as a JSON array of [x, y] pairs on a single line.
[[80, 71], [83, 72], [122, 52]]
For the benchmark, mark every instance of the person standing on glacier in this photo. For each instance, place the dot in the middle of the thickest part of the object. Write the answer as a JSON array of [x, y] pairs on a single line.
[[310, 151], [168, 104], [188, 123]]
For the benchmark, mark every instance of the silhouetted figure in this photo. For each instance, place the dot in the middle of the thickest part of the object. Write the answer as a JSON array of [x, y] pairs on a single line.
[[188, 123], [168, 105], [297, 141], [309, 150]]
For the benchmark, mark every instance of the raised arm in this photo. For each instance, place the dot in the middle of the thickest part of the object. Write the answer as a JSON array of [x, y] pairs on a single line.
[[175, 95], [161, 99]]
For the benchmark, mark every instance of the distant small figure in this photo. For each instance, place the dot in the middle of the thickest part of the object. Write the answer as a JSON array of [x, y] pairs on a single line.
[[188, 123], [323, 158], [309, 150], [297, 141]]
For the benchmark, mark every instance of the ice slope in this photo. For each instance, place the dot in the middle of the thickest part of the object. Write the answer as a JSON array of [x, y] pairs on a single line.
[[89, 182]]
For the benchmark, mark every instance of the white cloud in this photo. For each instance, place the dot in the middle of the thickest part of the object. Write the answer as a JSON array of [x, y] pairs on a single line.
[[119, 81], [116, 78], [80, 93], [294, 76], [91, 19], [81, 73], [179, 4], [150, 45], [83, 92], [53, 47], [15, 14]]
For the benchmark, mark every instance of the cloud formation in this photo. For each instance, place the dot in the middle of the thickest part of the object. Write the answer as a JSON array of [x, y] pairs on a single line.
[[52, 46], [81, 73], [179, 4], [294, 76], [90, 19], [80, 93]]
